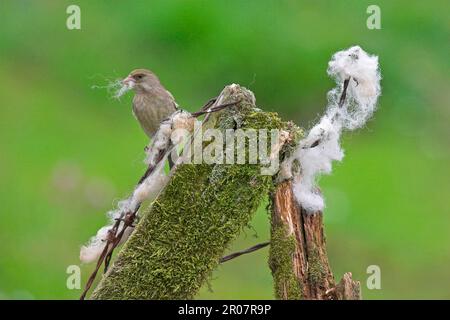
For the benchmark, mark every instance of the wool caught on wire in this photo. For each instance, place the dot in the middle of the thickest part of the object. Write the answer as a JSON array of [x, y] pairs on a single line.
[[358, 73], [146, 190], [165, 139]]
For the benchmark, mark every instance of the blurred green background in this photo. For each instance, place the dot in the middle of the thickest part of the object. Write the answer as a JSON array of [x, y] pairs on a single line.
[[69, 151]]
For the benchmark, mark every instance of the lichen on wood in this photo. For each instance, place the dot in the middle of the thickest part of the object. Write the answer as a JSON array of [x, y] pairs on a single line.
[[185, 231]]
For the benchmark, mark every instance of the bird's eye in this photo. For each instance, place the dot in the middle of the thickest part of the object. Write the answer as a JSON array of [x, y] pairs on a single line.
[[139, 76]]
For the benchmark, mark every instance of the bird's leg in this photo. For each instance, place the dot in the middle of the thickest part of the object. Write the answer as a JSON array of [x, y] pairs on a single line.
[[171, 162], [173, 155]]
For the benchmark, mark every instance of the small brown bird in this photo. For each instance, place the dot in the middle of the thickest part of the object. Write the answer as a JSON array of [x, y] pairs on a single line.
[[152, 102]]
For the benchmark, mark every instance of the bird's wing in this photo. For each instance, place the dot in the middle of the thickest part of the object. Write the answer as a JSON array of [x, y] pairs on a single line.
[[150, 110], [175, 104]]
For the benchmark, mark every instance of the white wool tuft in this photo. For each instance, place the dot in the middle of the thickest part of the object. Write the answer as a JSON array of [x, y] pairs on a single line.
[[147, 190], [183, 120], [94, 248], [363, 89], [91, 253], [321, 146], [182, 126], [150, 187]]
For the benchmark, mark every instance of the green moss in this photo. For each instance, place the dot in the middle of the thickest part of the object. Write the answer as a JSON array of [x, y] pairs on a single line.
[[316, 271], [262, 120], [282, 248], [181, 237]]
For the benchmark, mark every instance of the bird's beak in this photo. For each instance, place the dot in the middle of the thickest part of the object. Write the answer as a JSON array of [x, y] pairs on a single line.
[[129, 82]]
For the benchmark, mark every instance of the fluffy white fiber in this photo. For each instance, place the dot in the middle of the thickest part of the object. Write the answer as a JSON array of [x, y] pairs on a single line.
[[147, 190], [121, 88], [116, 88], [182, 126], [321, 146], [94, 248], [172, 131]]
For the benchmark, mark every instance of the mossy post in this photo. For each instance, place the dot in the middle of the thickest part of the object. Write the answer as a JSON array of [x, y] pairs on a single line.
[[298, 256], [186, 230]]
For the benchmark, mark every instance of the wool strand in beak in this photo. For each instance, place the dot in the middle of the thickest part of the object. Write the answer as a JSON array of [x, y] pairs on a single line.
[[126, 85]]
